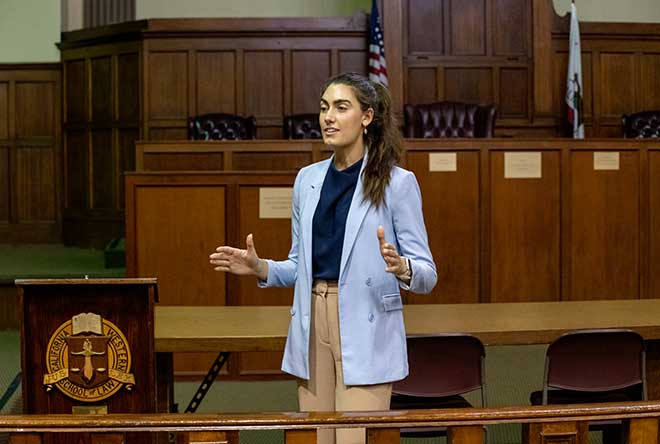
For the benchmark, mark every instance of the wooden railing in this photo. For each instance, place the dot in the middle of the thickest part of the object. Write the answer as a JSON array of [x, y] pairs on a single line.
[[544, 424]]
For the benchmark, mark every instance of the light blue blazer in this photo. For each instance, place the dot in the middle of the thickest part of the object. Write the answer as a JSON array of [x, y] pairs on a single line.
[[373, 337]]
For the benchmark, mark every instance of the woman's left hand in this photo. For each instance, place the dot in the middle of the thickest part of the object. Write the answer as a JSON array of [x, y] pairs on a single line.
[[395, 264]]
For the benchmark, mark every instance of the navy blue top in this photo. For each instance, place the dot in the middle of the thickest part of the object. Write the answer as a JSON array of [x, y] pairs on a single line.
[[329, 223]]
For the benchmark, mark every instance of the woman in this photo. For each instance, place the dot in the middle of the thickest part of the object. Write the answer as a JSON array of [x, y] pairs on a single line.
[[358, 236]]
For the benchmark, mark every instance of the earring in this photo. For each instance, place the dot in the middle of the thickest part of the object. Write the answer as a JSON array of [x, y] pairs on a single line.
[[365, 130]]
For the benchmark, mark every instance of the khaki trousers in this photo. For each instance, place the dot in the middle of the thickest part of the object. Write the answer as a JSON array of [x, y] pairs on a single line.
[[325, 390]]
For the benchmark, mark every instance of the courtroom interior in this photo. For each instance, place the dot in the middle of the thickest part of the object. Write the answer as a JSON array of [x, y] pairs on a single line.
[[138, 135]]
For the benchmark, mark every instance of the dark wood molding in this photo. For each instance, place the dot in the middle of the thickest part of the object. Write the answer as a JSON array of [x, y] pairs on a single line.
[[209, 27]]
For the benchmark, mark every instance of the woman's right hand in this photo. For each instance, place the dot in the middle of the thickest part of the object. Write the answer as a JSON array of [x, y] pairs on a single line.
[[237, 261]]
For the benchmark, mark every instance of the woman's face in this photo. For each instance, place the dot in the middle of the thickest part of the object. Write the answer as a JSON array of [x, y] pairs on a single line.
[[341, 118]]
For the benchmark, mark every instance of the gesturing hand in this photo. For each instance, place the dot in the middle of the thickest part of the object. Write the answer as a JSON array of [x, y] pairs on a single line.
[[395, 263], [237, 261]]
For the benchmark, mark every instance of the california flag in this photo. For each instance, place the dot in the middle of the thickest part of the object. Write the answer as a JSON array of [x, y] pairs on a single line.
[[574, 79]]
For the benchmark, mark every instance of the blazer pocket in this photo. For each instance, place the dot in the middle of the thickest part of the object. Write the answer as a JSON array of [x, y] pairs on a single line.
[[392, 302]]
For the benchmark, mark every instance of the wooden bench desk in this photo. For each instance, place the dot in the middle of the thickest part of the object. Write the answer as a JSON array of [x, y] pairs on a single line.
[[264, 328]]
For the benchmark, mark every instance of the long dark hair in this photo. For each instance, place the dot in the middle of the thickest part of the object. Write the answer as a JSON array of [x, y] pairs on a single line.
[[383, 138]]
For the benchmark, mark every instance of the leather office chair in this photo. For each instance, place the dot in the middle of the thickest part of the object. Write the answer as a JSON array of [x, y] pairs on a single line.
[[591, 366], [302, 126], [221, 126], [449, 119], [644, 124], [441, 369]]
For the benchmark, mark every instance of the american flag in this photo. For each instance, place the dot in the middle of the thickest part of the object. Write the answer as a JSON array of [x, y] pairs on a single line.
[[377, 66]]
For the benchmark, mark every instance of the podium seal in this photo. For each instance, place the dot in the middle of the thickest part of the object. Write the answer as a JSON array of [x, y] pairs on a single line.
[[88, 359]]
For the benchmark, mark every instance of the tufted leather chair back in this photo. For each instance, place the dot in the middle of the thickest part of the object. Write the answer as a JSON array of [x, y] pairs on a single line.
[[221, 126], [449, 119], [641, 125], [302, 126]]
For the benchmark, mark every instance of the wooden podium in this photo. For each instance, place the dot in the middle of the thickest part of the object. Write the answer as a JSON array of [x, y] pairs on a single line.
[[87, 346]]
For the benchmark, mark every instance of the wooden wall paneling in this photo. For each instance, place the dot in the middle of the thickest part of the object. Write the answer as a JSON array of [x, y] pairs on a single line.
[[421, 85], [168, 85], [168, 82], [392, 20], [36, 180], [309, 70], [566, 219], [128, 88], [216, 82], [485, 223], [654, 224], [188, 241], [181, 67], [451, 205], [288, 85], [126, 138], [109, 105], [617, 53], [175, 248], [185, 162], [5, 191], [469, 84], [647, 94], [102, 91], [32, 96], [618, 82], [594, 129], [76, 170], [280, 161], [35, 174], [166, 132], [102, 160], [509, 18], [542, 50], [355, 61], [425, 21], [240, 83], [264, 98], [525, 231], [4, 111], [644, 219], [468, 27], [514, 93], [75, 81], [5, 150], [30, 153], [183, 244], [167, 89], [102, 170], [559, 69], [605, 228], [272, 239], [282, 155], [588, 80]]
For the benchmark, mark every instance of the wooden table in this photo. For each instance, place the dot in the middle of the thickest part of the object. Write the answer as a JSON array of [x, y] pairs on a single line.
[[260, 328]]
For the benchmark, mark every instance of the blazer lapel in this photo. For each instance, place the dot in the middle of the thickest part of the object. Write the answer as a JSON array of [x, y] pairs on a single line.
[[356, 213], [313, 194]]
